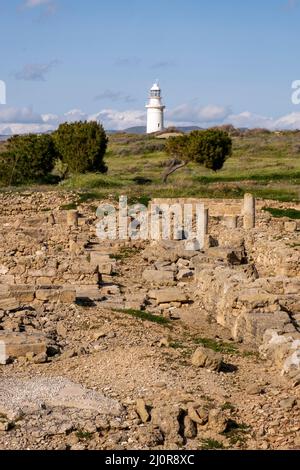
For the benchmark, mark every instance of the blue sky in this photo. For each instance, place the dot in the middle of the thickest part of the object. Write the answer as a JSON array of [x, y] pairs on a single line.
[[217, 61]]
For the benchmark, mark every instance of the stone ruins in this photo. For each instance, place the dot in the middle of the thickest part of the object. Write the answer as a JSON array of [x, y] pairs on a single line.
[[246, 279]]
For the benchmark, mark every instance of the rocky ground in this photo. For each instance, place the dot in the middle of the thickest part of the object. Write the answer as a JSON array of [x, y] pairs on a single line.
[[115, 377]]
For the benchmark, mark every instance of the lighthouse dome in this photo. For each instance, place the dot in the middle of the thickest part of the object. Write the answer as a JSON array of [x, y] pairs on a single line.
[[155, 87]]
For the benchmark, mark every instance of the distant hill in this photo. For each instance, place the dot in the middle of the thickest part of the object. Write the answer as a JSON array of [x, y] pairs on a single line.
[[143, 129]]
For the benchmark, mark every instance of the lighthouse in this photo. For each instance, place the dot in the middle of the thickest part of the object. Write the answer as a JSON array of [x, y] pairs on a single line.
[[155, 110]]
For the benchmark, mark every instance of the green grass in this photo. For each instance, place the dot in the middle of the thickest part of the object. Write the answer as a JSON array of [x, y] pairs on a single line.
[[211, 444], [278, 213], [267, 165], [84, 435], [217, 346], [125, 253], [176, 345], [228, 406], [69, 207], [235, 432], [145, 316]]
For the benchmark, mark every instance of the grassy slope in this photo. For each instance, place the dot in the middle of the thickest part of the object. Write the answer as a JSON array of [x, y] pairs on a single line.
[[266, 165]]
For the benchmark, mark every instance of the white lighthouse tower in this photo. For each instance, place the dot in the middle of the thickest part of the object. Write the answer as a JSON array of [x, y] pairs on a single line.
[[155, 110]]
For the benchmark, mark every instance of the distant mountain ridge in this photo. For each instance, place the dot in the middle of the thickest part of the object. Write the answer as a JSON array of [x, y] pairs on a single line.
[[143, 129]]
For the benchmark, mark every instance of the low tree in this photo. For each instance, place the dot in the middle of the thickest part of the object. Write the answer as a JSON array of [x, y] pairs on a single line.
[[209, 148], [82, 146], [28, 158]]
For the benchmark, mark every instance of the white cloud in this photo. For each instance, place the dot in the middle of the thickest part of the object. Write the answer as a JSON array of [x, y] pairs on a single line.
[[290, 121], [74, 115], [24, 120], [247, 119], [19, 115], [24, 128], [251, 120], [119, 120], [191, 114]]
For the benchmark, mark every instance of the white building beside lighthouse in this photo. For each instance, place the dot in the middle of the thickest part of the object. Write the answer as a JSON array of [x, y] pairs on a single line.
[[155, 110]]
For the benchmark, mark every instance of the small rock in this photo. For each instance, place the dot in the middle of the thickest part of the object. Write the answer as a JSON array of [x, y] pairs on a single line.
[[142, 411], [207, 358], [217, 420], [4, 426], [166, 418], [190, 428], [254, 389], [111, 335], [164, 342], [150, 436], [40, 358], [61, 330], [288, 403], [99, 334], [198, 414], [78, 446]]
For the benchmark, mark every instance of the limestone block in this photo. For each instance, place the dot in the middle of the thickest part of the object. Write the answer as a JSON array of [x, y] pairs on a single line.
[[158, 277], [207, 358], [23, 293], [14, 345], [163, 296], [72, 218], [231, 221], [8, 303], [47, 293], [67, 295], [290, 226]]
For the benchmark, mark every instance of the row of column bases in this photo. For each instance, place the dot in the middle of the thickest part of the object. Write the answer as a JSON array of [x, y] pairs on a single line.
[[248, 213]]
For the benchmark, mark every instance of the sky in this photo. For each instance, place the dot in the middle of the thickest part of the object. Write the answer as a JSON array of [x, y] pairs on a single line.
[[217, 61]]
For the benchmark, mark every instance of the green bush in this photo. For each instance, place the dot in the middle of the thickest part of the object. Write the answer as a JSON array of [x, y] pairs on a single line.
[[28, 158], [82, 146], [209, 148]]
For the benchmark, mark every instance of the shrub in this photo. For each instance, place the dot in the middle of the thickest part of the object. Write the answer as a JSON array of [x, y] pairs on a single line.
[[209, 148], [82, 146], [29, 158]]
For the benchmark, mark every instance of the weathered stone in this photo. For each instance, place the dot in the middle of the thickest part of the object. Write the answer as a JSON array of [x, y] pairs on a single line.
[[67, 295], [23, 293], [72, 218], [198, 413], [167, 419], [47, 293], [254, 389], [61, 330], [217, 420], [15, 345], [184, 274], [288, 403], [290, 226], [231, 221], [190, 428], [207, 358], [168, 295], [249, 211], [40, 358], [9, 304], [142, 411], [158, 277]]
